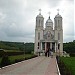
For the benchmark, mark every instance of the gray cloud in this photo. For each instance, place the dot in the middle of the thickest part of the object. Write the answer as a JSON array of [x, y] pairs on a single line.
[[54, 3], [17, 18]]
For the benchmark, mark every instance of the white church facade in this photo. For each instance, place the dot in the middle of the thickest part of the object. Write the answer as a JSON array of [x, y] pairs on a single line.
[[49, 36]]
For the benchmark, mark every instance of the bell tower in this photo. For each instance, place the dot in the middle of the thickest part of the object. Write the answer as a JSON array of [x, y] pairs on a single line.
[[59, 32], [39, 20], [39, 31], [58, 21]]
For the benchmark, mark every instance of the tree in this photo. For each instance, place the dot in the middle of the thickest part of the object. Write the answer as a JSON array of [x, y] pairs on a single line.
[[69, 47]]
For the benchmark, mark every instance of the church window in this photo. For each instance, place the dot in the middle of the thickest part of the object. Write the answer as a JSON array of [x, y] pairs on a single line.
[[58, 36], [48, 34], [38, 45], [58, 23], [39, 22], [55, 24], [39, 36], [58, 46]]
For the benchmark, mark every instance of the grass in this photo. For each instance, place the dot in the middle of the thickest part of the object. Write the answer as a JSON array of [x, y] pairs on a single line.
[[70, 63]]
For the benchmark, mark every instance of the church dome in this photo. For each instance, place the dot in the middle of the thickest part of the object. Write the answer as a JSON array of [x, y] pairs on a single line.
[[49, 23], [57, 16], [49, 20]]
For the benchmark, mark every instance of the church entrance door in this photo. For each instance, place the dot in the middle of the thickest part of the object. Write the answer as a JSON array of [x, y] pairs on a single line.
[[48, 45]]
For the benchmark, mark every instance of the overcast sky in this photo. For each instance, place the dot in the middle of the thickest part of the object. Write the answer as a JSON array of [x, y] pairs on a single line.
[[17, 18]]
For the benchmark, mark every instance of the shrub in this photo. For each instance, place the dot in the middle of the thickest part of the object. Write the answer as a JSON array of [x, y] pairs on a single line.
[[14, 59], [18, 60], [72, 54], [5, 61], [2, 53], [63, 69], [10, 53]]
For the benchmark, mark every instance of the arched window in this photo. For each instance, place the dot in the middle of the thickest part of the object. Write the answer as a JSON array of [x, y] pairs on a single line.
[[38, 35], [55, 24], [58, 46], [58, 23], [38, 45], [39, 22]]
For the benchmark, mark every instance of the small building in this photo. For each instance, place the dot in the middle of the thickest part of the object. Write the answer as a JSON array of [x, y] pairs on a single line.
[[49, 36]]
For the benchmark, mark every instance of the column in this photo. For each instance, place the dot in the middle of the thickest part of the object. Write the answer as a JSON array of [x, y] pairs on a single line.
[[41, 45], [45, 46], [50, 45], [55, 47]]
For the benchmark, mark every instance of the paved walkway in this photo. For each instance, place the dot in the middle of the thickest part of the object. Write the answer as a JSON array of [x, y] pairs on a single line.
[[36, 66]]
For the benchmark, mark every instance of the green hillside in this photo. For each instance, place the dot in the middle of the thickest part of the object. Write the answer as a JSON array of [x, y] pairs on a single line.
[[28, 47]]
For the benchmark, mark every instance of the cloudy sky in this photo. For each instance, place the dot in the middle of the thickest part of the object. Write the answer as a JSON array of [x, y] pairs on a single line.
[[17, 18]]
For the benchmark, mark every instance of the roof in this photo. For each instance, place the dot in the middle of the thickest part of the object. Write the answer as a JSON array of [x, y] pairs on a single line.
[[58, 15], [39, 15], [49, 20]]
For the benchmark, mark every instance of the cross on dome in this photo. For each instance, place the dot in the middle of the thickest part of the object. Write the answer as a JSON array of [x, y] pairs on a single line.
[[58, 10], [49, 14], [39, 11], [58, 15]]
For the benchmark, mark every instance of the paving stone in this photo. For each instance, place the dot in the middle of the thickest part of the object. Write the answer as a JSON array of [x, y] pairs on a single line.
[[37, 66]]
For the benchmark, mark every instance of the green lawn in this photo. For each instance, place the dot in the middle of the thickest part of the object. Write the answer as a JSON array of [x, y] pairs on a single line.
[[70, 63]]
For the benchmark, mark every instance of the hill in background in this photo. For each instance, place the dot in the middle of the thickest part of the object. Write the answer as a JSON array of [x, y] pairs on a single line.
[[19, 46], [29, 47]]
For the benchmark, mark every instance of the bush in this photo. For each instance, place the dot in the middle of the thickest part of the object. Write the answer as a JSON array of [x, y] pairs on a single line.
[[14, 59], [10, 53], [63, 69], [2, 53], [18, 60], [5, 61], [72, 54]]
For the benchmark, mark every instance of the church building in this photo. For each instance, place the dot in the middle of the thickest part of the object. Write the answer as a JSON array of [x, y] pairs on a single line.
[[50, 36]]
